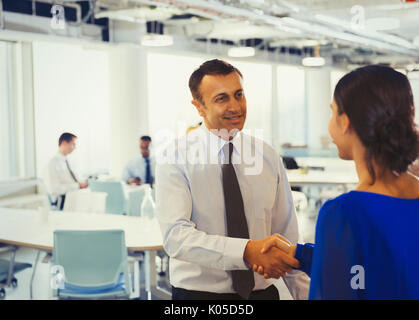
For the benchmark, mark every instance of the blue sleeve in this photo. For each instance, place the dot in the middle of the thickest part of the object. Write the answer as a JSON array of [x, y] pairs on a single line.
[[334, 254], [304, 254]]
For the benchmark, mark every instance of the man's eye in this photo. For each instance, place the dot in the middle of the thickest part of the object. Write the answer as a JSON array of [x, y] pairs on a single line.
[[220, 99]]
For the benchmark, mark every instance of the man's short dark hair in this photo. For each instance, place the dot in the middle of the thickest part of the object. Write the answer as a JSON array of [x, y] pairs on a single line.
[[146, 138], [210, 67], [67, 137]]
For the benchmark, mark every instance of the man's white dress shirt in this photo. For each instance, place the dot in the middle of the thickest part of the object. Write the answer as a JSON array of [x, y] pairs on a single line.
[[191, 211], [57, 177], [136, 168]]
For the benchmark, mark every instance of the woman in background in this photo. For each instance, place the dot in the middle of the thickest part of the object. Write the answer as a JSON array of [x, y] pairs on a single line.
[[367, 240]]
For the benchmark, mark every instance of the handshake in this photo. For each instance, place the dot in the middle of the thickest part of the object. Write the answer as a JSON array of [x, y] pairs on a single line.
[[271, 257]]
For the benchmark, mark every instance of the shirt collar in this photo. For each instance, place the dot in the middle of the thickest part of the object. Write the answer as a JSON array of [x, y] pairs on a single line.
[[216, 143]]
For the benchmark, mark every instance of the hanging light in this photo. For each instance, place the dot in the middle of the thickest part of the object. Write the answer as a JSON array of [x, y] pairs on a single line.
[[157, 40], [315, 61]]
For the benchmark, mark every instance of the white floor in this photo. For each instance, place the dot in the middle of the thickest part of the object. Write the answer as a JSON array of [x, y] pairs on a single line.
[[41, 285]]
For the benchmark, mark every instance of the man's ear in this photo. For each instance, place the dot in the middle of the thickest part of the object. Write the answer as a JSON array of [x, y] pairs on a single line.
[[199, 107]]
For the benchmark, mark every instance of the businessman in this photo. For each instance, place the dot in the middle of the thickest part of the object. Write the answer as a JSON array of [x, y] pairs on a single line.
[[59, 176], [141, 169], [216, 208]]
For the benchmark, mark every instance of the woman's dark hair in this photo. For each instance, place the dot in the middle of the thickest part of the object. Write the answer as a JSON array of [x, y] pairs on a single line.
[[379, 104], [210, 67]]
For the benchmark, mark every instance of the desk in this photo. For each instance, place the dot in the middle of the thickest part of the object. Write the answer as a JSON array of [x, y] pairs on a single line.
[[295, 177], [27, 229]]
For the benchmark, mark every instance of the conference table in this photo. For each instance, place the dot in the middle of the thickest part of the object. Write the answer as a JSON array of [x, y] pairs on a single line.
[[34, 229], [314, 177]]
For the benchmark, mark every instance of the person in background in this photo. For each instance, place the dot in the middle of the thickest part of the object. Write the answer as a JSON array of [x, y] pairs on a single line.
[[367, 240], [141, 169], [60, 176]]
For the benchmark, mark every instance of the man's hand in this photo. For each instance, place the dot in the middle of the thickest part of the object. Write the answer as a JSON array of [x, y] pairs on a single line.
[[83, 185], [277, 241], [135, 181], [274, 262]]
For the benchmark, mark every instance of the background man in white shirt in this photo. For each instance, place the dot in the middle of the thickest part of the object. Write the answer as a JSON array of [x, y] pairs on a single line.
[[215, 218], [60, 176], [141, 169]]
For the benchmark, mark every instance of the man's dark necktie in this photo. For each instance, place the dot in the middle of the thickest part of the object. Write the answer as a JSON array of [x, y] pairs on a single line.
[[147, 171], [243, 280], [71, 172]]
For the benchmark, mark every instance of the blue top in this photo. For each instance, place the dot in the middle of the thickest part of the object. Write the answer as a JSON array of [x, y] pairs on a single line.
[[366, 247]]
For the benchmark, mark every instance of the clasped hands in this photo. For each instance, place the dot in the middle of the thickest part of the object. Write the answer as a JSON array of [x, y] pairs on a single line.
[[271, 257]]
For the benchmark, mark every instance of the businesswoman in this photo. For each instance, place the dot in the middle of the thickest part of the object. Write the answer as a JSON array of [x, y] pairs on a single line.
[[367, 240]]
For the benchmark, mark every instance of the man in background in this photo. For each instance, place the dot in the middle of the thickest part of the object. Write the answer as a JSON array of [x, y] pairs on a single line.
[[141, 169], [60, 176]]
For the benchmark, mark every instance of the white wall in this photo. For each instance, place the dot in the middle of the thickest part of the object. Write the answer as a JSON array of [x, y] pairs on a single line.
[[169, 98], [292, 105], [71, 93], [318, 106], [128, 104], [7, 164]]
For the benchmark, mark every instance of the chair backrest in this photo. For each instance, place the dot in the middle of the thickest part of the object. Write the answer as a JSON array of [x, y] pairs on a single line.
[[115, 201], [91, 259], [290, 163], [135, 198], [85, 201]]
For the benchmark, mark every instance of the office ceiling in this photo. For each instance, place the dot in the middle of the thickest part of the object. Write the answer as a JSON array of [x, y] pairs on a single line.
[[347, 31]]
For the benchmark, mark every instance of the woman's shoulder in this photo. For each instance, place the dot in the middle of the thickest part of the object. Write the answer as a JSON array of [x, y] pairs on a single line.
[[354, 203], [347, 205]]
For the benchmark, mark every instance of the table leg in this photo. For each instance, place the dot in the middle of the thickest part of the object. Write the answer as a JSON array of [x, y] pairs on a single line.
[[33, 275], [11, 266], [151, 279]]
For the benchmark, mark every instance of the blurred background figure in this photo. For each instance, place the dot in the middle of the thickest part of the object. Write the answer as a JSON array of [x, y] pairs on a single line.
[[60, 177], [141, 169]]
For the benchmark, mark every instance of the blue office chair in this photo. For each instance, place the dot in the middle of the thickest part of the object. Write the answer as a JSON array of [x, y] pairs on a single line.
[[90, 264], [116, 201], [135, 200]]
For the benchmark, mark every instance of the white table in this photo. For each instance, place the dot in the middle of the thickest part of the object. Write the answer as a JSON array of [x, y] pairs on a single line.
[[295, 177], [27, 228]]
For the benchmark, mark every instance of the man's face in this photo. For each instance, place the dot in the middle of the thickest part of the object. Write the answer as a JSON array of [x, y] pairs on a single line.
[[144, 148], [223, 103], [68, 147]]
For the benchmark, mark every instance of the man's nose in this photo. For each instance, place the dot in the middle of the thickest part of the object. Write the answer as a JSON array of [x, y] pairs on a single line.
[[234, 106]]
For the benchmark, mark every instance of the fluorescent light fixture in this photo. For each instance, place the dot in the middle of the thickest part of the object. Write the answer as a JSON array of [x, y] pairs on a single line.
[[157, 40], [241, 52], [314, 61]]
